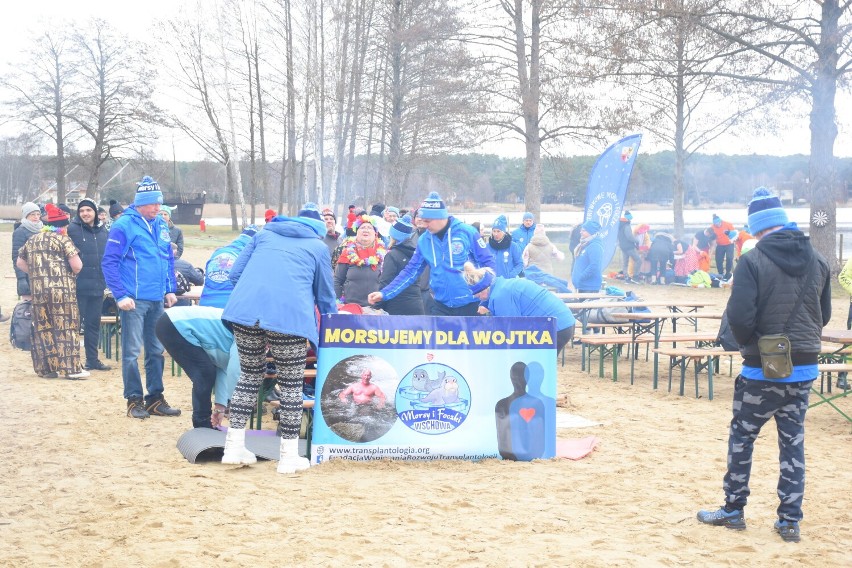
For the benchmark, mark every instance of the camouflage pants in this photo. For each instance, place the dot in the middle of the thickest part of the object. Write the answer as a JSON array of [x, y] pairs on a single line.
[[755, 402]]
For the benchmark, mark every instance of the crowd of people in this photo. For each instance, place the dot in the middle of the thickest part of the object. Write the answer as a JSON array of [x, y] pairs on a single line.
[[658, 257], [399, 262]]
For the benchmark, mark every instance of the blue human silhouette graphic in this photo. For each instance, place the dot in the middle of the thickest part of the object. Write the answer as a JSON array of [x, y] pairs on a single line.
[[535, 378], [520, 420]]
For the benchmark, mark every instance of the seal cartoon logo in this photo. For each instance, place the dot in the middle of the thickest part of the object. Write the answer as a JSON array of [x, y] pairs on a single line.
[[164, 235], [219, 267], [433, 405]]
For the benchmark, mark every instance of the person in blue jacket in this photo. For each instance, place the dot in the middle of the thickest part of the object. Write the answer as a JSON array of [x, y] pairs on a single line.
[[217, 271], [138, 266], [525, 232], [519, 297], [280, 279], [587, 272], [445, 246], [508, 257], [204, 347]]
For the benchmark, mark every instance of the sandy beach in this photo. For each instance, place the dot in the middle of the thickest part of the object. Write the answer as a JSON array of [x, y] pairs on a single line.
[[83, 485]]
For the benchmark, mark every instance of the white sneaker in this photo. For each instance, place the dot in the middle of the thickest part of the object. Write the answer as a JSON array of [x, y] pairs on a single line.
[[78, 375]]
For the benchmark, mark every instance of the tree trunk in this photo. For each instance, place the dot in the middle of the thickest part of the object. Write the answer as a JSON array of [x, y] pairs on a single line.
[[823, 168]]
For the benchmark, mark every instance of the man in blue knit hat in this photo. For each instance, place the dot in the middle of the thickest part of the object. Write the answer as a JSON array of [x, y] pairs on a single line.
[[525, 232], [445, 246], [138, 266], [782, 286], [587, 272]]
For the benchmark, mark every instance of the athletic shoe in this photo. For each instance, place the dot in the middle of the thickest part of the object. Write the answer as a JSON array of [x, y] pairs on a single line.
[[96, 366], [159, 407], [721, 518], [136, 410], [789, 530], [78, 375]]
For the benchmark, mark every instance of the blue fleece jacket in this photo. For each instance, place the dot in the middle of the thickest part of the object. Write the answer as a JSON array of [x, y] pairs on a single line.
[[522, 236], [519, 297], [446, 257], [138, 261], [217, 273], [279, 278], [202, 326], [588, 269], [508, 261]]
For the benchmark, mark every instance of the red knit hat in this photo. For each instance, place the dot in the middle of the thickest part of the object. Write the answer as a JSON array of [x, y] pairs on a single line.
[[270, 213], [55, 216]]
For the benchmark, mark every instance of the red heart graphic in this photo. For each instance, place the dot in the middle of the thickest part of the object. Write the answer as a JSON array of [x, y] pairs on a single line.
[[429, 356], [527, 413]]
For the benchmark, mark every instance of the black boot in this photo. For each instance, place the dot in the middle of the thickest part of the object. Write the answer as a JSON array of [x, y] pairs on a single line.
[[135, 409], [159, 407]]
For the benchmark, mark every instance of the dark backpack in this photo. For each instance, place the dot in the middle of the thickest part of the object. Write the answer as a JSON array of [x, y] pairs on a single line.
[[725, 338], [21, 329], [182, 284]]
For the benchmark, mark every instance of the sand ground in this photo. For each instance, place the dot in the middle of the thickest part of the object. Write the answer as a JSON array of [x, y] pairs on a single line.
[[83, 485]]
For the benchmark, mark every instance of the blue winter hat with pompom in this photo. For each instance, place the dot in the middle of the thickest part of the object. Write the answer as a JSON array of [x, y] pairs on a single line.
[[148, 192], [765, 211], [433, 207], [402, 229]]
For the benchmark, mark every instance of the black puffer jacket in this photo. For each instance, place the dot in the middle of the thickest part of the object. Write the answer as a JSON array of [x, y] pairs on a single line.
[[19, 238], [410, 301], [90, 241], [767, 283]]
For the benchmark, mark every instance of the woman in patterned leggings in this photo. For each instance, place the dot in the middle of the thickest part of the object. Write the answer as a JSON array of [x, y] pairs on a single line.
[[274, 306]]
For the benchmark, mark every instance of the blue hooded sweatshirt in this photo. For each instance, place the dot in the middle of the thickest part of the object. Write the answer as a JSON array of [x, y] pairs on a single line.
[[279, 278], [519, 297], [217, 273], [138, 261], [445, 257], [203, 327], [588, 269]]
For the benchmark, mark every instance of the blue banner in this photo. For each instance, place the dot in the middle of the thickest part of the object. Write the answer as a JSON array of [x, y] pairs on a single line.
[[608, 188], [435, 388]]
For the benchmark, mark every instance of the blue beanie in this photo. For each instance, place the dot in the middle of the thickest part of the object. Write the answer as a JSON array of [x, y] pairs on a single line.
[[628, 215], [433, 207], [148, 192], [529, 216], [765, 211], [250, 231], [501, 223], [592, 227], [402, 229], [310, 215]]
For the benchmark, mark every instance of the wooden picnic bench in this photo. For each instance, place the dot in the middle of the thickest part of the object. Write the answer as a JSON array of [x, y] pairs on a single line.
[[701, 358]]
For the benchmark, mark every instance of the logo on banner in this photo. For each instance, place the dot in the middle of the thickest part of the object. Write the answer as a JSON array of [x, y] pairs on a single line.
[[433, 399]]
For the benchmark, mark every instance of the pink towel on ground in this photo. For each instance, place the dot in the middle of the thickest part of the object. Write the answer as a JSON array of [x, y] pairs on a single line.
[[576, 449]]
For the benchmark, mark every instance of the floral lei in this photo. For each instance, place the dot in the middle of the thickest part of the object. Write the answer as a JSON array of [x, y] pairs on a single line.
[[52, 229], [350, 253]]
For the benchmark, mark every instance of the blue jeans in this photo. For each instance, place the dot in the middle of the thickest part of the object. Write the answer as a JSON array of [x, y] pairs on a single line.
[[138, 329]]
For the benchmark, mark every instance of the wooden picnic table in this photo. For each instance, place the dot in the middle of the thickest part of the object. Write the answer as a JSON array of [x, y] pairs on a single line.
[[644, 323], [842, 337], [193, 295], [583, 295]]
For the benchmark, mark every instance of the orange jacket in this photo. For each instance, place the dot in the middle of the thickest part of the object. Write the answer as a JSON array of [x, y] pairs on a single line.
[[722, 233]]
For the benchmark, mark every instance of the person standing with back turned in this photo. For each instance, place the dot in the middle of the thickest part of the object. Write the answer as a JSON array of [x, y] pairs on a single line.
[[139, 269], [782, 286]]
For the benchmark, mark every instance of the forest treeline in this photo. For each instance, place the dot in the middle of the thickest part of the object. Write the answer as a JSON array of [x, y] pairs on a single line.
[[472, 179]]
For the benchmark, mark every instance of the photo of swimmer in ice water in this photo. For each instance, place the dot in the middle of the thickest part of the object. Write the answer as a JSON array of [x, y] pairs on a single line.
[[357, 399]]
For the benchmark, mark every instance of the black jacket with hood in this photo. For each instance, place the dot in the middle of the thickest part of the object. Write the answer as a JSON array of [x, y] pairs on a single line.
[[90, 241], [410, 301], [767, 284]]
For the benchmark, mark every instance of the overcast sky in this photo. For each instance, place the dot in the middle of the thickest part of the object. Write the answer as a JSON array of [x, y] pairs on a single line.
[[135, 19]]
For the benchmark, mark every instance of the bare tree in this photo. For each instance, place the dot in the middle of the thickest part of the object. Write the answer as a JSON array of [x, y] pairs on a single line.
[[671, 66], [805, 47], [537, 80], [43, 94], [114, 96]]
